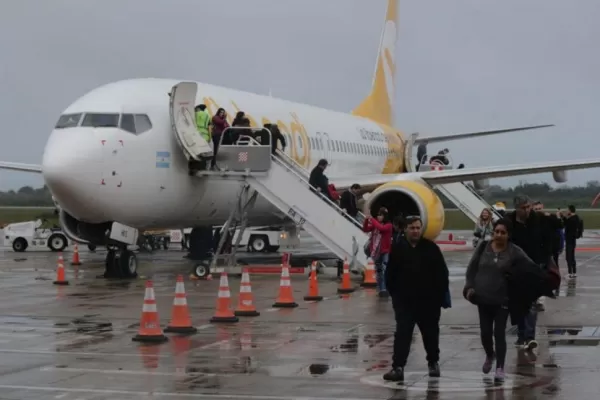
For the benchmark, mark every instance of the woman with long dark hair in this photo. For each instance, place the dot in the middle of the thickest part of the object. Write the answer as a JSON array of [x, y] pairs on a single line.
[[487, 286]]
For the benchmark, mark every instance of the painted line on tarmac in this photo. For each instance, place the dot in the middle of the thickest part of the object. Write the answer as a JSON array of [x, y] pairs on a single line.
[[76, 353], [230, 396]]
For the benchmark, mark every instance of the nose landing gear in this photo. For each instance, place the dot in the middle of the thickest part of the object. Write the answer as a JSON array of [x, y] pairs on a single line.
[[120, 263]]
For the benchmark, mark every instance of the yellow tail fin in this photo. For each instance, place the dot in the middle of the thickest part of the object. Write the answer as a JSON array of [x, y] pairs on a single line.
[[379, 104]]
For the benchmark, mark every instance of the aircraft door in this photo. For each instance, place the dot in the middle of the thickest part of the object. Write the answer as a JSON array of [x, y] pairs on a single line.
[[327, 146], [181, 109]]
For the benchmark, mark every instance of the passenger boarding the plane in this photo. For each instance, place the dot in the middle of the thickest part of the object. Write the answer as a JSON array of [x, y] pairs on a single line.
[[276, 136], [219, 124], [238, 118], [232, 135], [379, 245], [318, 180], [483, 228], [440, 158], [203, 122]]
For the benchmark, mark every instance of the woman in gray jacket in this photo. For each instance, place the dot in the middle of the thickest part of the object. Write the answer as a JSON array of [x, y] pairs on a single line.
[[486, 286]]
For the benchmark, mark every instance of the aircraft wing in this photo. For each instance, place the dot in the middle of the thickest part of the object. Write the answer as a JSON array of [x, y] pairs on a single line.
[[370, 182], [469, 174], [460, 136], [21, 167]]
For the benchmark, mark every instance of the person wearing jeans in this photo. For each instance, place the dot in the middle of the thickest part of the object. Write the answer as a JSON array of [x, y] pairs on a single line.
[[380, 244]]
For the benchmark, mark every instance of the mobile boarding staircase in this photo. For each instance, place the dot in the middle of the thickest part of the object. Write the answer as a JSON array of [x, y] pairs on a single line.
[[284, 183], [462, 195]]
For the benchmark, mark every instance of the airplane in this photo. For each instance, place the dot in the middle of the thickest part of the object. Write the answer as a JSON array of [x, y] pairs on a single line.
[[114, 160]]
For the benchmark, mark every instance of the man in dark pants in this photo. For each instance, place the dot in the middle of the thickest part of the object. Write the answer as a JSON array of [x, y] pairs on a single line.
[[553, 224], [572, 233], [531, 235], [318, 180], [348, 201], [417, 280]]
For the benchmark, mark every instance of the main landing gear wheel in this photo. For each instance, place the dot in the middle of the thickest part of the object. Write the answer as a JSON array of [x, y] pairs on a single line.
[[121, 264], [201, 270]]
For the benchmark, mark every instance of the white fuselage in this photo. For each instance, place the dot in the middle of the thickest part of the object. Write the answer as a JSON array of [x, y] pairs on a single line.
[[102, 174]]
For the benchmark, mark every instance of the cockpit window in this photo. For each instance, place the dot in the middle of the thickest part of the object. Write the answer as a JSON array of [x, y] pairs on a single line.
[[96, 120], [68, 121], [135, 123]]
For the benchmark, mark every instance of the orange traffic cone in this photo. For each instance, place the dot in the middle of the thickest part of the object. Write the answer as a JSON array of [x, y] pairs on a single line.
[[313, 285], [180, 316], [223, 312], [60, 272], [150, 330], [346, 287], [76, 260], [370, 280], [245, 306], [286, 297]]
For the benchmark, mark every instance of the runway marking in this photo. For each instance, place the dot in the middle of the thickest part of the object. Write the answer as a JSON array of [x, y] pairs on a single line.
[[76, 353], [231, 396]]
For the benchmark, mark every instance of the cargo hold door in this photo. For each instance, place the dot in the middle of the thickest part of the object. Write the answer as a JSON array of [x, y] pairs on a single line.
[[183, 124]]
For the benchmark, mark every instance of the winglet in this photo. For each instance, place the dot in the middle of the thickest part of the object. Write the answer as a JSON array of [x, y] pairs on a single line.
[[379, 104]]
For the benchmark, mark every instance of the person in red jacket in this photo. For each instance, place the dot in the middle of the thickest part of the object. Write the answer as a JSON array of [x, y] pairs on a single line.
[[380, 244]]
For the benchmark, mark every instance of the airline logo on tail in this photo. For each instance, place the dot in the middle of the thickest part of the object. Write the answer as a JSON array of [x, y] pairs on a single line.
[[379, 104]]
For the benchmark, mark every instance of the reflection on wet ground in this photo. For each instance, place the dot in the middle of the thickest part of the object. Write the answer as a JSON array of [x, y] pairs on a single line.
[[74, 342]]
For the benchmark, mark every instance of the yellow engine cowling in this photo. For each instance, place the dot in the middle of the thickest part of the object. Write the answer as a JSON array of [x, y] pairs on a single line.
[[410, 198]]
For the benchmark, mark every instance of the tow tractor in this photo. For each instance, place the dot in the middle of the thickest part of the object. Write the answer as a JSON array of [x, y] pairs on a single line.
[[20, 236], [263, 239]]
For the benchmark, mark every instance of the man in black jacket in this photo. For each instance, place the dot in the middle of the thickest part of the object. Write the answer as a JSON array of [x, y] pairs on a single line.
[[417, 280], [318, 180], [572, 233], [530, 234], [553, 225], [348, 200]]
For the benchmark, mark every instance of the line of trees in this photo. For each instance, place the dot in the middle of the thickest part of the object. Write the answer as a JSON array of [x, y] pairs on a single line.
[[580, 196]]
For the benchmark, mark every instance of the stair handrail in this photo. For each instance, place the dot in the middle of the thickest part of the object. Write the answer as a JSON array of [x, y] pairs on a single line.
[[302, 179], [304, 172]]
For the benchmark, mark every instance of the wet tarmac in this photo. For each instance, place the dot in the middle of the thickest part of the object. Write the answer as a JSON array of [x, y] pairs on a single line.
[[74, 342]]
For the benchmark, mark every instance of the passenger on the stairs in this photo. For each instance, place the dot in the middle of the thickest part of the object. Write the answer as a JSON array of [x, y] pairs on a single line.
[[348, 201], [219, 124], [203, 122], [318, 180], [276, 136], [380, 243], [238, 118]]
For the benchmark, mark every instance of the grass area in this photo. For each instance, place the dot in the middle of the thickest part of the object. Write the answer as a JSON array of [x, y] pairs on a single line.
[[457, 220], [10, 215], [454, 218]]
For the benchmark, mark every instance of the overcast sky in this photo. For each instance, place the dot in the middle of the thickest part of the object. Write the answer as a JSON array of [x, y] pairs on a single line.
[[463, 65]]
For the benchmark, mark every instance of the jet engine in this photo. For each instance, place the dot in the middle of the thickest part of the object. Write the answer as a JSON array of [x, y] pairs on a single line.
[[83, 232], [410, 198]]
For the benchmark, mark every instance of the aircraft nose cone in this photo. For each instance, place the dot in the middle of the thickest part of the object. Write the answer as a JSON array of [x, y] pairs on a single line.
[[68, 164]]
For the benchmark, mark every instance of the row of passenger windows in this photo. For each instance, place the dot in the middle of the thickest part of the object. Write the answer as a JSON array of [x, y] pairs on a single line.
[[343, 146], [133, 123]]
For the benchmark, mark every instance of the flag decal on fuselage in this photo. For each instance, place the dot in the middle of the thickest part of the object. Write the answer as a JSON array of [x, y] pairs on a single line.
[[163, 159]]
